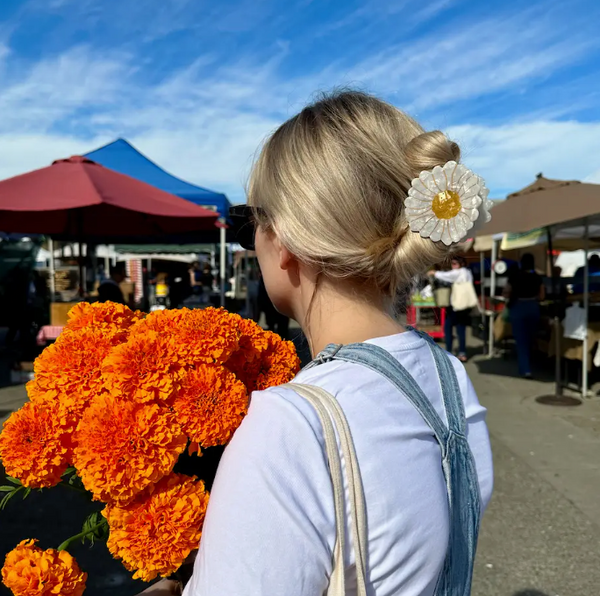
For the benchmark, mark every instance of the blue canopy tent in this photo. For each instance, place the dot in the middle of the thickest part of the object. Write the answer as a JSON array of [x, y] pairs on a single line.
[[122, 156]]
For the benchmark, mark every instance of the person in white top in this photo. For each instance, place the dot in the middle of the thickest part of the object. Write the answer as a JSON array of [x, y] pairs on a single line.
[[333, 241], [459, 273]]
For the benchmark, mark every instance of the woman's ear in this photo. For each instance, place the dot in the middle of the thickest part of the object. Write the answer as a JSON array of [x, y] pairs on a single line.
[[286, 258]]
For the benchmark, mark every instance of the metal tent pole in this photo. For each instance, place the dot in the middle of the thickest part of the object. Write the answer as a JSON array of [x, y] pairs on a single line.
[[222, 263], [82, 274], [586, 306], [557, 398], [492, 294], [52, 269], [482, 295]]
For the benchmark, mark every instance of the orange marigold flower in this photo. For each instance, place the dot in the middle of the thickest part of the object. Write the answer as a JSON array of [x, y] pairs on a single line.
[[206, 336], [144, 369], [30, 571], [279, 364], [68, 411], [252, 343], [110, 317], [154, 534], [35, 444], [122, 447], [202, 336], [210, 404], [160, 321], [275, 365], [70, 369]]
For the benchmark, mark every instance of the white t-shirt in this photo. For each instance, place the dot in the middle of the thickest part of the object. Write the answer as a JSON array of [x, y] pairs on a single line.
[[462, 274], [270, 527]]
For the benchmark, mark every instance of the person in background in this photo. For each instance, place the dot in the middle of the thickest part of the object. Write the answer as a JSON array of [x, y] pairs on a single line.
[[206, 279], [593, 276], [109, 290], [276, 322], [162, 290], [196, 278], [593, 266], [523, 292], [456, 318]]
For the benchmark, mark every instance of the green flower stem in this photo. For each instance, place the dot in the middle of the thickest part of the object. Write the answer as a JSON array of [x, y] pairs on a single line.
[[75, 488], [68, 541]]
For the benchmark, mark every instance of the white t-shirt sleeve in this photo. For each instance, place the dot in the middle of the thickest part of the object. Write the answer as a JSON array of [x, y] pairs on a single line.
[[269, 523], [448, 276], [455, 275]]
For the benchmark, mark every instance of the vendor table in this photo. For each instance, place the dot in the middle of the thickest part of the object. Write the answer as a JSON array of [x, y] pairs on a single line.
[[413, 317], [48, 333], [572, 349]]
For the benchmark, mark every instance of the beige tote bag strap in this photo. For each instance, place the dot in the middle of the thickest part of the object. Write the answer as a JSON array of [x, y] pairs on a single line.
[[332, 418]]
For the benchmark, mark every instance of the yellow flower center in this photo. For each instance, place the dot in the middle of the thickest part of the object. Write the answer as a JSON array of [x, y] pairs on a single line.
[[446, 204]]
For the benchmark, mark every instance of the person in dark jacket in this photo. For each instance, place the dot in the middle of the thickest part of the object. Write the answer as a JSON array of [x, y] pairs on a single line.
[[524, 292], [109, 290]]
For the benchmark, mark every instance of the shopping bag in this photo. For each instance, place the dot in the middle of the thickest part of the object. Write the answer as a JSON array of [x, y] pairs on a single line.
[[463, 296]]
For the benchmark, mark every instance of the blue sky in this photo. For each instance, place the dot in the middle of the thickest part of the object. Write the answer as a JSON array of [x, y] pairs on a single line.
[[198, 85]]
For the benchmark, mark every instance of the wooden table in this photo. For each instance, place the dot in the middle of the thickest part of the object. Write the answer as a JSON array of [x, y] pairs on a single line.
[[572, 349]]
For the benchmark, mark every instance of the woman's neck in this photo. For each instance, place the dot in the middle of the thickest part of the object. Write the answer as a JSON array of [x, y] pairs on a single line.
[[343, 318]]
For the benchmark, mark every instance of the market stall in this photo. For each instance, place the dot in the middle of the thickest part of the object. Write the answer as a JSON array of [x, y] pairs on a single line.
[[557, 208], [123, 157], [79, 200]]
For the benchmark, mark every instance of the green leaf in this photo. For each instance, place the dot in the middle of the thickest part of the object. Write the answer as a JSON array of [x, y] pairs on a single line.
[[14, 480], [95, 527], [68, 472], [26, 493], [8, 496], [6, 489]]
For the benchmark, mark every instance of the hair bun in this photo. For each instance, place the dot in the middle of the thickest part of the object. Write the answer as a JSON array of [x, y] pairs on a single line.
[[430, 149]]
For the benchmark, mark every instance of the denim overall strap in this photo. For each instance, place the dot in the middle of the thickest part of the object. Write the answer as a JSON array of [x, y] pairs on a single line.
[[455, 408], [457, 460]]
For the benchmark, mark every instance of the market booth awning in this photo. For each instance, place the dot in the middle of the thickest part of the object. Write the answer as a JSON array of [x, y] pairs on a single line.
[[565, 212], [544, 203], [122, 156], [78, 199]]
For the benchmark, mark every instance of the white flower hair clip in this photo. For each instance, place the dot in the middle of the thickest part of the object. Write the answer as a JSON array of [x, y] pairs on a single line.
[[444, 204]]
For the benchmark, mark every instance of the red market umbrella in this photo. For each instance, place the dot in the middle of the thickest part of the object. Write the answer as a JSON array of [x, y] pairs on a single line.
[[78, 199]]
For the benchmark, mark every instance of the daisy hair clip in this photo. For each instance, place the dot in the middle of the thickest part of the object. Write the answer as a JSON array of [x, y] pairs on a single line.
[[446, 203]]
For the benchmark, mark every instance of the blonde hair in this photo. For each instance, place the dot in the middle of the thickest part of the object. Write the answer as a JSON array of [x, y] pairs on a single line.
[[332, 181]]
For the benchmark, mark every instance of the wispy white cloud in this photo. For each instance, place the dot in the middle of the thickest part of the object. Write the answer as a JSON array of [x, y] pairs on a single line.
[[509, 156], [57, 87], [593, 177], [472, 61], [21, 152], [203, 121], [432, 9]]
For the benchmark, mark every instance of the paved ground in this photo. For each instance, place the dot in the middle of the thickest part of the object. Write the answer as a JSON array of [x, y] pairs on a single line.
[[540, 535]]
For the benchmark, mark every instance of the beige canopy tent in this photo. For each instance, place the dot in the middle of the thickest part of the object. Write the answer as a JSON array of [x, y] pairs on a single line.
[[543, 203], [557, 209]]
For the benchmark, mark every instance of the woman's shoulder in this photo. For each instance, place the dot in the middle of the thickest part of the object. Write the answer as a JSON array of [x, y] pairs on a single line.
[[354, 384], [281, 405]]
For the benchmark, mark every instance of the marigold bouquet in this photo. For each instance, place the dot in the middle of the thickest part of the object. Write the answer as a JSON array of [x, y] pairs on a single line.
[[133, 409]]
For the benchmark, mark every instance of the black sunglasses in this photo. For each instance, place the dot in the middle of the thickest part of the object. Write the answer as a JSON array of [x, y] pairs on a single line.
[[243, 218]]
